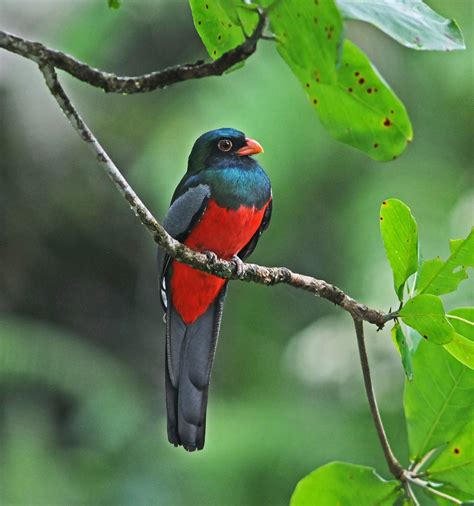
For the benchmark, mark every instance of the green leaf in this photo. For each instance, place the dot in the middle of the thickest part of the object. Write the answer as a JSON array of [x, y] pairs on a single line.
[[114, 4], [462, 349], [425, 313], [463, 250], [462, 345], [222, 24], [361, 110], [410, 22], [438, 277], [455, 465], [248, 16], [462, 319], [466, 499], [345, 484], [400, 237], [353, 102], [308, 34], [404, 350], [438, 401], [447, 283]]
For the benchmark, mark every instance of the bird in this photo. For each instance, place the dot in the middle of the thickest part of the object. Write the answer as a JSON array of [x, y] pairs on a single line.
[[221, 207]]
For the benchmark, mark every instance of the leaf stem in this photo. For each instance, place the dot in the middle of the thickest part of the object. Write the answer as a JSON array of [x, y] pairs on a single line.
[[113, 83], [454, 317], [269, 37], [426, 485]]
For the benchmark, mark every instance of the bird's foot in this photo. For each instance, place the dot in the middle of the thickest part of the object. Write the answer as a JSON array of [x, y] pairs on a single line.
[[211, 257], [239, 265]]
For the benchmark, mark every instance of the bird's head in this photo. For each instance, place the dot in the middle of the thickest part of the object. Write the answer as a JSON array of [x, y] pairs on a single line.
[[220, 147]]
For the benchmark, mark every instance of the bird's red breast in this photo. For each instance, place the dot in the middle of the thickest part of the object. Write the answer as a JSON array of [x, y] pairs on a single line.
[[223, 231]]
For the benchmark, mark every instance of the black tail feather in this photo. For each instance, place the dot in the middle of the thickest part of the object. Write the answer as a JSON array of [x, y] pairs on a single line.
[[189, 356]]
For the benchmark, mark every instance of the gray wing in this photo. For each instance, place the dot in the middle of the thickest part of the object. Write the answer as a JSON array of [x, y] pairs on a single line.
[[181, 217]]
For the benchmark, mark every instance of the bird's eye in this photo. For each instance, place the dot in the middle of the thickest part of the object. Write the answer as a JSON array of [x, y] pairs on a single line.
[[224, 145]]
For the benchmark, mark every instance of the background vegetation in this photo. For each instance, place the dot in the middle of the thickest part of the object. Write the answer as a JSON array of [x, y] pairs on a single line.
[[81, 335]]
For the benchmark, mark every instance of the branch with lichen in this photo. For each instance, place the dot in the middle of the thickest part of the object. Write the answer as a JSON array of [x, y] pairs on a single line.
[[121, 84], [222, 268], [49, 60]]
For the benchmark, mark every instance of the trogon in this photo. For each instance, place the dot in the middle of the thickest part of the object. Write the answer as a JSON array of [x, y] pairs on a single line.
[[220, 207]]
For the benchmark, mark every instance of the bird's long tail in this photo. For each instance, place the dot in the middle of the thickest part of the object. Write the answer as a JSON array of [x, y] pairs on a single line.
[[189, 356]]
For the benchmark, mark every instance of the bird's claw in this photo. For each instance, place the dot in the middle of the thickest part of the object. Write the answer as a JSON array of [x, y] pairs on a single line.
[[211, 257], [239, 265]]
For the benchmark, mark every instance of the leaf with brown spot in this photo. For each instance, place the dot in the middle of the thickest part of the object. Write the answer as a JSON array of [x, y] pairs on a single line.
[[223, 24], [455, 464], [347, 111], [439, 400]]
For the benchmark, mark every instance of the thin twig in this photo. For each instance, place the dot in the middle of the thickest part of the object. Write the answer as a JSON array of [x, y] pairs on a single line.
[[417, 466], [395, 467], [426, 485], [121, 84], [222, 268], [410, 494]]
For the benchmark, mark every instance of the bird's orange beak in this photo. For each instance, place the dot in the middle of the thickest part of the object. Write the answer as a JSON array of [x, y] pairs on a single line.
[[251, 148]]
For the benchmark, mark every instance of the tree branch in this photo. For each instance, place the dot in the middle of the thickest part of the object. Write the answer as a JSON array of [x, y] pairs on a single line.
[[222, 268], [109, 82], [49, 59], [395, 467]]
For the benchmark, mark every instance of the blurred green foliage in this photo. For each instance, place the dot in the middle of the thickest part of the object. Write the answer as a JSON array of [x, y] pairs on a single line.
[[82, 402], [114, 4]]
